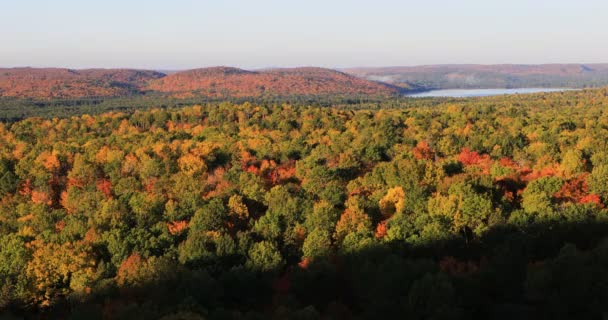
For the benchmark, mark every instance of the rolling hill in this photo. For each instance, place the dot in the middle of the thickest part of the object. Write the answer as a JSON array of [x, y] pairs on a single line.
[[228, 82], [48, 83], [488, 76], [233, 82], [216, 82]]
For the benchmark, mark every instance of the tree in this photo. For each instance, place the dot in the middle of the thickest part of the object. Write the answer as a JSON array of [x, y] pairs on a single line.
[[572, 163], [13, 259], [317, 244], [323, 216], [270, 226], [464, 207], [57, 270], [252, 186], [392, 202], [8, 180], [353, 220], [238, 211], [264, 256], [281, 201], [538, 195], [598, 181], [139, 273], [13, 256], [211, 217], [197, 250], [191, 164], [82, 173]]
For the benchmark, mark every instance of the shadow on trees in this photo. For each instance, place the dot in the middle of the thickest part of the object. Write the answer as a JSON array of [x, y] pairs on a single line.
[[551, 270], [16, 109]]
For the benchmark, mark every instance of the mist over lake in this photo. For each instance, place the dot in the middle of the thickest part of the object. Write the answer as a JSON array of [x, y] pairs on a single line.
[[468, 93]]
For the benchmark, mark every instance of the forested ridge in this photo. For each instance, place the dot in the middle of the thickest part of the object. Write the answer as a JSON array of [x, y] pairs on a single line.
[[213, 82], [56, 83], [233, 82], [489, 208], [475, 76]]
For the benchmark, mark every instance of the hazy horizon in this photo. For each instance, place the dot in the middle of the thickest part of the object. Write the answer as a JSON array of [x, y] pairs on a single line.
[[185, 34], [303, 66]]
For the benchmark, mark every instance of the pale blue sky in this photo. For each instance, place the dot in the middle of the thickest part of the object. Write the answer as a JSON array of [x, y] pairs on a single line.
[[177, 34]]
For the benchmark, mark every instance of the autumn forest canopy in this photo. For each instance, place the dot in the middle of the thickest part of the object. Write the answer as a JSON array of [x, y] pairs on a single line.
[[303, 160], [422, 209]]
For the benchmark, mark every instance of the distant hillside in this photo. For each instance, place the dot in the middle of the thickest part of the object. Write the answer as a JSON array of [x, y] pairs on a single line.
[[233, 82], [227, 82], [216, 82], [66, 83], [489, 76]]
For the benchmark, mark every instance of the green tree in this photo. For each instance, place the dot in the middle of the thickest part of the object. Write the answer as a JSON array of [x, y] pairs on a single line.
[[323, 216], [264, 256], [317, 244], [538, 195], [212, 216], [598, 181]]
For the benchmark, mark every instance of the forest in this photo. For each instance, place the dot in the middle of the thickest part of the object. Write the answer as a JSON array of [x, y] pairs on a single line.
[[476, 76], [210, 82], [482, 208]]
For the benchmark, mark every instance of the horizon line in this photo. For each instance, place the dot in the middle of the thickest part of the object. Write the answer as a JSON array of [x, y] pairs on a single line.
[[302, 66]]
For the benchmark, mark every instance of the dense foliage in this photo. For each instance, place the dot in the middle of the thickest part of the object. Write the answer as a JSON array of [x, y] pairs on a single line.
[[62, 83], [12, 109], [214, 82], [450, 209], [225, 82]]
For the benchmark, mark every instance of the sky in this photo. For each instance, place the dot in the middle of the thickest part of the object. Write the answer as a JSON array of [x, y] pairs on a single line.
[[181, 34]]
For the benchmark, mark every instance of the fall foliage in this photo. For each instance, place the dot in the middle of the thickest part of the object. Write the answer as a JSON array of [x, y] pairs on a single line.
[[436, 209], [67, 83], [233, 82], [57, 83]]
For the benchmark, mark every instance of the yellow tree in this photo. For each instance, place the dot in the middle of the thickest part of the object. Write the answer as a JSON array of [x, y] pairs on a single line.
[[57, 270]]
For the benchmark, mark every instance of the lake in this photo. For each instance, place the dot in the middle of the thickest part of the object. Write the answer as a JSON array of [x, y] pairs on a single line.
[[467, 93]]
